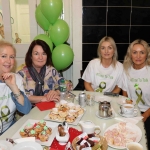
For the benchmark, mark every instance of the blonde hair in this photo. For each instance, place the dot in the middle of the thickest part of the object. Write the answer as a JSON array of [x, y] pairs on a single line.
[[113, 44], [5, 43], [127, 63]]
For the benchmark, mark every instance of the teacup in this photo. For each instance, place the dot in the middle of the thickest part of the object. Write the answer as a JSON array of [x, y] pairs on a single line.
[[127, 109], [134, 146]]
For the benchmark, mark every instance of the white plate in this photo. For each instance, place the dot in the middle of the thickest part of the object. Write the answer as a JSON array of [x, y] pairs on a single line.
[[49, 124], [129, 115], [102, 98], [27, 146], [112, 116], [131, 127], [5, 145], [73, 123], [121, 100]]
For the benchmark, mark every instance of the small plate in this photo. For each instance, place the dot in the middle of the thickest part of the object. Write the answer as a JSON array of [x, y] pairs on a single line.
[[27, 146], [112, 116], [5, 145], [129, 116]]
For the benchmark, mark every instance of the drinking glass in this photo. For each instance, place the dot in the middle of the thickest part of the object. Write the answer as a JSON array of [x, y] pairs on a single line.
[[90, 100]]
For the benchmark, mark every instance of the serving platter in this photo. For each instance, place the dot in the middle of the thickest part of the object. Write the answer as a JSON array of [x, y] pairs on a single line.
[[52, 125]]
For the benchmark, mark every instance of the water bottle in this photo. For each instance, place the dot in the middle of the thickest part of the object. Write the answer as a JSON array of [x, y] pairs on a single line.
[[62, 86]]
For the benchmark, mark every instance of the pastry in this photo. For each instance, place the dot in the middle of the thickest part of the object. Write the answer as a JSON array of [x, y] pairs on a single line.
[[47, 130], [53, 116], [38, 128], [129, 101], [41, 123], [23, 133], [33, 133], [70, 118], [62, 114], [43, 136], [29, 126], [81, 111]]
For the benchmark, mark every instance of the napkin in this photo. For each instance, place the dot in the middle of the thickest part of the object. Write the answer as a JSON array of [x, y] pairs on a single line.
[[73, 133], [133, 120], [24, 140], [45, 105]]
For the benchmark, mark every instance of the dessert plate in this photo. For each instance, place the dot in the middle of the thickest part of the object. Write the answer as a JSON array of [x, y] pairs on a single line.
[[129, 115], [27, 146], [52, 125], [5, 145], [132, 132]]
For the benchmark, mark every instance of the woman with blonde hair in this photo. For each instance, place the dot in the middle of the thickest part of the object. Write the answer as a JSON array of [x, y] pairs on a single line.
[[104, 74], [13, 95], [136, 79]]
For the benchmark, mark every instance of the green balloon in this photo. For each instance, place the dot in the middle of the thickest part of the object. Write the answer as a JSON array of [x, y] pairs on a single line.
[[62, 56], [40, 18], [59, 32], [51, 9], [46, 39]]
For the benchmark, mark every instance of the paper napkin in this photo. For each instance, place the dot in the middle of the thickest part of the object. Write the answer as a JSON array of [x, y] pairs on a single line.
[[24, 140], [133, 120], [45, 105]]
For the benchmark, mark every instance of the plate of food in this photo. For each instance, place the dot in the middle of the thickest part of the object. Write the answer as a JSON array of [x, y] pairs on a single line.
[[102, 98], [92, 141], [124, 100], [121, 133], [5, 145], [65, 111], [43, 131]]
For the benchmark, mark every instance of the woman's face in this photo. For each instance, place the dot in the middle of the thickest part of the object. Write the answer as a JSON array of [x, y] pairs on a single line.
[[7, 59], [39, 57], [138, 56], [106, 50]]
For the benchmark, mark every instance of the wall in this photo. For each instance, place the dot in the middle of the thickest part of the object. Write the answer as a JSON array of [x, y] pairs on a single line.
[[124, 20]]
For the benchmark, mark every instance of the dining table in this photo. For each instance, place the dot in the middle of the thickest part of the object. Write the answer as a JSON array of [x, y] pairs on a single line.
[[90, 114]]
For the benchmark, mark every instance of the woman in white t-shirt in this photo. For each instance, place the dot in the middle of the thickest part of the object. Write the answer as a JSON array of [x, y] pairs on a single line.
[[104, 74], [136, 79], [12, 94]]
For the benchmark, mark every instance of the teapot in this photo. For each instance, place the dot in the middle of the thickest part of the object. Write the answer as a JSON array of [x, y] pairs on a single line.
[[105, 109], [89, 127]]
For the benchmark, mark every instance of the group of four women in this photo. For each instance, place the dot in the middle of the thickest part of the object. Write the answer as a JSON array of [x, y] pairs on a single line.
[[39, 81]]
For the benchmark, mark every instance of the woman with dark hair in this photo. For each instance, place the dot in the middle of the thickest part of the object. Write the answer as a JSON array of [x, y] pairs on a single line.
[[41, 79], [104, 74]]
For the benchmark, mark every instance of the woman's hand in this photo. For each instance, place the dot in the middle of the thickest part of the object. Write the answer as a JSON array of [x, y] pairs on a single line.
[[146, 114], [9, 79], [53, 96]]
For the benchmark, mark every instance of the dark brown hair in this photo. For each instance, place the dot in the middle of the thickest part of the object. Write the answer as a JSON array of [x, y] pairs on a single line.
[[46, 48]]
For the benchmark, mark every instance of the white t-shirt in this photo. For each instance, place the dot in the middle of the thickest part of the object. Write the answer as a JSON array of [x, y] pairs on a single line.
[[7, 106], [104, 79], [137, 86]]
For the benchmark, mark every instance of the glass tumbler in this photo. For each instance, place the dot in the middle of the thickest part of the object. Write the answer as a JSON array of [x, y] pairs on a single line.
[[90, 100], [69, 98]]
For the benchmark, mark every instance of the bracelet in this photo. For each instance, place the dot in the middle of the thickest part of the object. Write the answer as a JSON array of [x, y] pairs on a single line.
[[17, 95]]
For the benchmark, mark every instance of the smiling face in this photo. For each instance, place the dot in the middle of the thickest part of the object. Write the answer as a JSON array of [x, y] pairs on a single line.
[[39, 57], [138, 56], [7, 59], [106, 51]]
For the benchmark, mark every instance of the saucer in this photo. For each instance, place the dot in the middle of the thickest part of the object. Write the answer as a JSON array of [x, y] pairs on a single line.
[[112, 116], [129, 115]]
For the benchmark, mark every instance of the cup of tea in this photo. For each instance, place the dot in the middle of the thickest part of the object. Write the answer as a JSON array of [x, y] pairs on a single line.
[[134, 146], [127, 109]]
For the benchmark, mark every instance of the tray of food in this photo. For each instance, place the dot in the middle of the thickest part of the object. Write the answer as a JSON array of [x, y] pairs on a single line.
[[43, 131], [64, 111]]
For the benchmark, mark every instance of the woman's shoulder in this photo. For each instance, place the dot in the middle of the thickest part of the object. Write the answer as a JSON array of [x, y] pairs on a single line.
[[119, 64]]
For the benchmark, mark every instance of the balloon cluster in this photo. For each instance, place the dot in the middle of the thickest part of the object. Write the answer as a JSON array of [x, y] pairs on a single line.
[[47, 14]]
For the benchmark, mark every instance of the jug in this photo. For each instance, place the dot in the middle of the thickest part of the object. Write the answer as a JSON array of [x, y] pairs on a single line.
[[89, 127], [105, 109]]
